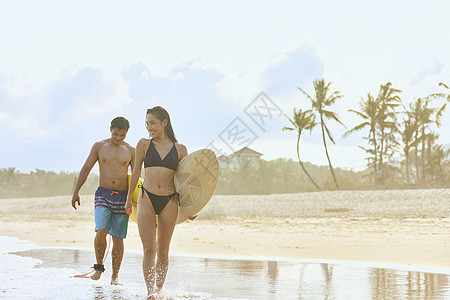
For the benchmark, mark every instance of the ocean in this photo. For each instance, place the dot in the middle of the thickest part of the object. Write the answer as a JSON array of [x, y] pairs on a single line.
[[30, 272]]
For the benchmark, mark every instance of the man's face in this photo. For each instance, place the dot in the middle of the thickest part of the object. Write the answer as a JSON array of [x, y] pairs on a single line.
[[118, 135]]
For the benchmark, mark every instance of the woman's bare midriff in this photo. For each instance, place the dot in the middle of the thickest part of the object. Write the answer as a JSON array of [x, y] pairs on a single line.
[[159, 180]]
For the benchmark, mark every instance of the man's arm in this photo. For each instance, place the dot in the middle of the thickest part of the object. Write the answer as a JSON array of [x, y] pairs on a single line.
[[133, 158], [84, 173]]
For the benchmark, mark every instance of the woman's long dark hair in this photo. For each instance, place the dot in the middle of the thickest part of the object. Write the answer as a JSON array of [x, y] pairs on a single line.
[[162, 114]]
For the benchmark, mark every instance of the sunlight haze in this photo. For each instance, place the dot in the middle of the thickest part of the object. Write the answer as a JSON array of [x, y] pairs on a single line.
[[68, 68]]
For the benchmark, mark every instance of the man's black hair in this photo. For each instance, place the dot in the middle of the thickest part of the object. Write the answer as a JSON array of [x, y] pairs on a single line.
[[120, 123]]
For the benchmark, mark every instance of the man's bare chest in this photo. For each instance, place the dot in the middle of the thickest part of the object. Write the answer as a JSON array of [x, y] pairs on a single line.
[[114, 155]]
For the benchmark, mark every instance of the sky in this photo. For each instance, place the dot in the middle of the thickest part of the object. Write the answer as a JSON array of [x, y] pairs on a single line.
[[226, 71]]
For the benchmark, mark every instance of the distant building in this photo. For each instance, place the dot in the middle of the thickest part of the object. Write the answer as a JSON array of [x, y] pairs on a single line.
[[247, 153], [234, 158], [224, 161]]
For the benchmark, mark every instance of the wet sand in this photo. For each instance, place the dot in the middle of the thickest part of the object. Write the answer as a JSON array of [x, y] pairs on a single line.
[[402, 228]]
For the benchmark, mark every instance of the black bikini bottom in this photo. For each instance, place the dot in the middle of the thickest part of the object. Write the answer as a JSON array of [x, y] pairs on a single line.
[[159, 202]]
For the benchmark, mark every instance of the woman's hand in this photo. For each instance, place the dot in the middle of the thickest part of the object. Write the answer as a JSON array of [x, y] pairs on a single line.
[[129, 206]]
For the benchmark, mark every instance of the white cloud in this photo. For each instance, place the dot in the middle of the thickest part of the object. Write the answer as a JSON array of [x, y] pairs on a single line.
[[189, 93], [76, 96], [285, 71], [430, 68], [278, 75], [21, 108]]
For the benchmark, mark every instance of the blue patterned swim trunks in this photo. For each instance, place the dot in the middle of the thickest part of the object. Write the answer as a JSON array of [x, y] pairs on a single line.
[[110, 212]]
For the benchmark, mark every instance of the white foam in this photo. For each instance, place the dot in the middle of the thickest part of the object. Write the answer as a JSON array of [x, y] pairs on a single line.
[[9, 244], [23, 278]]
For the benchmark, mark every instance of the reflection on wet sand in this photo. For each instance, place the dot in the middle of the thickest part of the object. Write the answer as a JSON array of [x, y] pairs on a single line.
[[272, 275], [414, 285], [259, 279]]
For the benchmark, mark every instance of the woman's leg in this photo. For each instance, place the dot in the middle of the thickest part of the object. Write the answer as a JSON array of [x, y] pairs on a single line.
[[166, 224], [146, 221]]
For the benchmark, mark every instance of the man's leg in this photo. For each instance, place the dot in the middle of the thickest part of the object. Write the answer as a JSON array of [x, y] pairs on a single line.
[[117, 255], [119, 227], [100, 247]]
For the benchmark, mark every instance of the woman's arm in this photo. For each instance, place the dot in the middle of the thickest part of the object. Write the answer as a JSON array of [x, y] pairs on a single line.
[[182, 151]]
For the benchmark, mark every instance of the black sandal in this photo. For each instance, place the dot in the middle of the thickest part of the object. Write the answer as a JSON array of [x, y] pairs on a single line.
[[99, 267]]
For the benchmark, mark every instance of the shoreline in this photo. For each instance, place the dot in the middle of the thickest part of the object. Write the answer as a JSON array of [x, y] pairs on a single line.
[[202, 239], [396, 229], [269, 258]]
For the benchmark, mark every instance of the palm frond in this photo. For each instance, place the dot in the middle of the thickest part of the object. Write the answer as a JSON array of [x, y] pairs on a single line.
[[439, 115], [290, 120], [356, 128], [329, 133], [444, 85], [359, 113], [307, 95]]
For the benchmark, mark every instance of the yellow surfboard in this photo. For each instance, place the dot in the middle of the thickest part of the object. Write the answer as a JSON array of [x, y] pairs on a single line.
[[135, 197], [196, 181]]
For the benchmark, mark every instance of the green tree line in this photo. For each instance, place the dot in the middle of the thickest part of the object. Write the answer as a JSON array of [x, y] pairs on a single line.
[[246, 177], [14, 184], [283, 176]]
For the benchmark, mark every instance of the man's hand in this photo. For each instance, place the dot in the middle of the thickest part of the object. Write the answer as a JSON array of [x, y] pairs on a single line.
[[129, 206], [75, 200]]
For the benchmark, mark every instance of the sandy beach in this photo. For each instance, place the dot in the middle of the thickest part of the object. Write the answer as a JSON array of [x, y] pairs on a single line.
[[403, 228]]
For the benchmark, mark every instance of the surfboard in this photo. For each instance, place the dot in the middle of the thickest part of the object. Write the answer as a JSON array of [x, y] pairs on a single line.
[[135, 197], [196, 181]]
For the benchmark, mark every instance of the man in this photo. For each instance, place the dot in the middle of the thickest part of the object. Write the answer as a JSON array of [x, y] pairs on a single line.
[[114, 156]]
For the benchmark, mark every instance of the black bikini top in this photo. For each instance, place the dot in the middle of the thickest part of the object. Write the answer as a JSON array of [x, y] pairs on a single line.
[[153, 159]]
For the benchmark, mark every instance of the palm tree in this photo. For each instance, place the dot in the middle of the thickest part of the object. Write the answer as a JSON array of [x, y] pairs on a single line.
[[387, 99], [431, 147], [407, 133], [368, 112], [320, 102], [425, 121], [423, 116], [415, 114], [438, 159], [303, 120]]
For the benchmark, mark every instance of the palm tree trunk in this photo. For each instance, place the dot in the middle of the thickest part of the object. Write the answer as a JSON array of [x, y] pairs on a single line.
[[407, 163], [416, 156], [301, 164], [375, 154], [326, 152], [381, 157], [416, 162], [423, 156], [429, 162]]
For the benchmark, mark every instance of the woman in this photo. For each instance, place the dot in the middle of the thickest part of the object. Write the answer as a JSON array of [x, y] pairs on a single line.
[[158, 197]]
